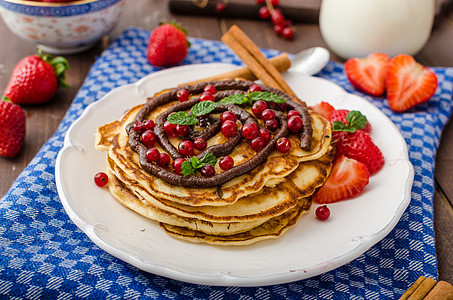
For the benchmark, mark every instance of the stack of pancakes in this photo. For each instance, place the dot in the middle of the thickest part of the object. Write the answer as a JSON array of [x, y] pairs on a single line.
[[258, 205]]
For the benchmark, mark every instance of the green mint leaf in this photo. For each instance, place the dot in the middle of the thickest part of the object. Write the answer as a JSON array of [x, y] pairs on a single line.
[[187, 168], [237, 99], [266, 96], [182, 118], [356, 119], [202, 108], [340, 126], [208, 158]]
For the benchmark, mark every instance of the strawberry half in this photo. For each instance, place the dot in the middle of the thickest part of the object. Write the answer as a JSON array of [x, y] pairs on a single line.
[[359, 146], [12, 128], [408, 83], [368, 74], [347, 179], [324, 109]]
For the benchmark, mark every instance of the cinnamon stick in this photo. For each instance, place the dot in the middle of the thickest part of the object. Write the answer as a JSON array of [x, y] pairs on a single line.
[[442, 290], [281, 63], [258, 64]]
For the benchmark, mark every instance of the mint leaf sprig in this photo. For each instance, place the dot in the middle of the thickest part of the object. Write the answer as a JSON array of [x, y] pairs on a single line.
[[199, 109], [249, 98], [354, 121], [189, 167]]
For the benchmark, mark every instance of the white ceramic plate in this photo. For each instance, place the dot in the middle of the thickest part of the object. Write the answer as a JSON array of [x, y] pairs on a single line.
[[310, 248]]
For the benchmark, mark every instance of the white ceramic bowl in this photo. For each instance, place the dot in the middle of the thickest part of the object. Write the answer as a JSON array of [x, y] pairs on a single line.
[[61, 28]]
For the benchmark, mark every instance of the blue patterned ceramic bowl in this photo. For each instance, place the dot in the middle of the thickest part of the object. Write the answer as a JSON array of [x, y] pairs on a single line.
[[61, 28]]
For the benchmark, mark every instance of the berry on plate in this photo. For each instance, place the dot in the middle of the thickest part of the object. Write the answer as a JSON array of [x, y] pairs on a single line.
[[368, 74], [167, 45], [12, 128], [346, 180], [359, 146], [408, 83], [324, 109], [36, 78]]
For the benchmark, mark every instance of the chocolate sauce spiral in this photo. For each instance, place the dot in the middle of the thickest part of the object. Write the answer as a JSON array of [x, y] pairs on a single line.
[[224, 88]]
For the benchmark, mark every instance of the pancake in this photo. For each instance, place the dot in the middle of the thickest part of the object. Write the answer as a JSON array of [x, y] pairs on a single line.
[[266, 194], [277, 166], [127, 198], [271, 229]]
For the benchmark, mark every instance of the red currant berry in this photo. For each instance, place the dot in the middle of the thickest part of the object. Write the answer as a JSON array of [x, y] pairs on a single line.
[[177, 165], [148, 138], [182, 95], [322, 212], [228, 128], [278, 29], [170, 129], [258, 107], [260, 1], [292, 113], [257, 143], [268, 114], [139, 127], [227, 115], [288, 33], [101, 179], [207, 170], [163, 160], [152, 154], [275, 2], [200, 143], [272, 124], [210, 89], [226, 163], [186, 148], [207, 96], [277, 17], [182, 130], [249, 130], [295, 123], [220, 7], [149, 124], [264, 13], [283, 144], [255, 88], [265, 134]]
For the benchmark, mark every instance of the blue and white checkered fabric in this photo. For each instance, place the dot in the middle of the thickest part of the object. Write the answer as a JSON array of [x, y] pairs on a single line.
[[44, 255]]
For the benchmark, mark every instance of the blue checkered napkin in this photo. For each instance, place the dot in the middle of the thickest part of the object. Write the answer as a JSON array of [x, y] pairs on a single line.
[[44, 255]]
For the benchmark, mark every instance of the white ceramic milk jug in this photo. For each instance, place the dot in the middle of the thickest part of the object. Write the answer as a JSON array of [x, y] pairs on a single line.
[[356, 28]]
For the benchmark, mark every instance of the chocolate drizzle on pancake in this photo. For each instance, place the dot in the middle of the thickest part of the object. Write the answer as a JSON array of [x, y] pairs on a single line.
[[224, 88]]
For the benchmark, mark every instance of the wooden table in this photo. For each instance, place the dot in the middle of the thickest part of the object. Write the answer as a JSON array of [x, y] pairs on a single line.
[[42, 121]]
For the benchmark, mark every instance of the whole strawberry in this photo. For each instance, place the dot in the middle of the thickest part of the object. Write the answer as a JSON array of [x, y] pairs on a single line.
[[36, 78], [167, 45], [12, 128]]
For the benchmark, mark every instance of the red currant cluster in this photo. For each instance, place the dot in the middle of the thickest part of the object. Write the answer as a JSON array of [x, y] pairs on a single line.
[[148, 138], [282, 26]]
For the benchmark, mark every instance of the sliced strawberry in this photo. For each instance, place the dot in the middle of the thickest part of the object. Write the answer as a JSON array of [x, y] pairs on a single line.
[[368, 74], [347, 179], [359, 146], [324, 109], [342, 116], [408, 83]]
